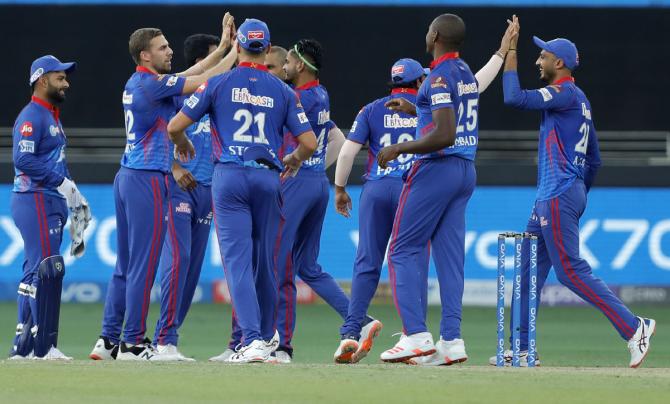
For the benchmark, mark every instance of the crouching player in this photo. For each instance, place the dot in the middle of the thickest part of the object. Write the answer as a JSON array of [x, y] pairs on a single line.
[[248, 109], [189, 219], [42, 195]]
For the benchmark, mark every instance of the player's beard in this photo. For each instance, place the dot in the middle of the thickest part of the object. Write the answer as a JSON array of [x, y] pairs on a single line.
[[54, 94]]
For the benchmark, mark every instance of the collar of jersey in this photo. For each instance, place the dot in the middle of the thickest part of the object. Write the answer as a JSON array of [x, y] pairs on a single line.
[[142, 69], [51, 108], [563, 80], [448, 55], [309, 85], [404, 91], [253, 66]]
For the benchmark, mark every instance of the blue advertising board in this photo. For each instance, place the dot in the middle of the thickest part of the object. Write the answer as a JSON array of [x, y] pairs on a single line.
[[625, 236]]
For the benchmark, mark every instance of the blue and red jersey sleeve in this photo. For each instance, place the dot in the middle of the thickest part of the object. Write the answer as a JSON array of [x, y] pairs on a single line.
[[360, 129]]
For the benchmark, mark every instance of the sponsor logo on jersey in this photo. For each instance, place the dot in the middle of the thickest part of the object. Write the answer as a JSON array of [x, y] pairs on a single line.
[[54, 130], [438, 82], [469, 88], [203, 127], [586, 112], [202, 88], [353, 127], [396, 121], [256, 35], [27, 146], [243, 96], [546, 95], [442, 98], [302, 117], [26, 129], [192, 101], [127, 99], [172, 81], [183, 207], [400, 69], [324, 117]]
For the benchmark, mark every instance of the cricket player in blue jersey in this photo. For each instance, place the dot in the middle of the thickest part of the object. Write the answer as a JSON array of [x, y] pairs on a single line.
[[568, 160], [42, 195], [447, 136], [141, 187], [189, 219], [305, 198], [248, 109], [379, 126]]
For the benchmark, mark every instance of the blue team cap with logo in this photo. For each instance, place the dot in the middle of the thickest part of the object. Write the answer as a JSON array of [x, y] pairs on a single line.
[[253, 35], [406, 71], [46, 64], [562, 48]]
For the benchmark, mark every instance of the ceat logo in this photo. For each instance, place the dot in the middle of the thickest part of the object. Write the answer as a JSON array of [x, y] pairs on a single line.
[[26, 129], [256, 35], [400, 69]]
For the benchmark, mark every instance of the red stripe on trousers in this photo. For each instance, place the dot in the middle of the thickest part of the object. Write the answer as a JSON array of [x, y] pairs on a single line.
[[572, 275], [147, 287], [396, 228], [39, 222]]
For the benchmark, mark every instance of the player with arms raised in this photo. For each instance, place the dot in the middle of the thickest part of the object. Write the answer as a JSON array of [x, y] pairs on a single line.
[[568, 160], [248, 109], [141, 187]]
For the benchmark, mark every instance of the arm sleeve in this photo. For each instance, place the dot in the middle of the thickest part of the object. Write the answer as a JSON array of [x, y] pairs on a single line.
[[488, 73], [164, 86], [197, 105], [360, 129], [546, 98], [335, 142], [296, 119], [345, 161], [439, 93], [27, 135]]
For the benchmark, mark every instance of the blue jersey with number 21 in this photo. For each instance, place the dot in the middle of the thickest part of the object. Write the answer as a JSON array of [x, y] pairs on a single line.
[[247, 106]]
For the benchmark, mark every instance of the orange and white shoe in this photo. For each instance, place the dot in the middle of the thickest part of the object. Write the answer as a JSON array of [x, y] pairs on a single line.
[[368, 334], [346, 350], [410, 346]]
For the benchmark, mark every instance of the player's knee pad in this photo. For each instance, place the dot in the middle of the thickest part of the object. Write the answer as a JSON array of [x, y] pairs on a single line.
[[24, 340], [48, 291]]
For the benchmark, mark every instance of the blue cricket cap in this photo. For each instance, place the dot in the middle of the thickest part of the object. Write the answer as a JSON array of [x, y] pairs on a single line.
[[406, 71], [46, 64], [253, 35], [562, 48]]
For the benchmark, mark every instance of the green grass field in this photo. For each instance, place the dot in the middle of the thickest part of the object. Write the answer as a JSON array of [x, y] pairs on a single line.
[[583, 360]]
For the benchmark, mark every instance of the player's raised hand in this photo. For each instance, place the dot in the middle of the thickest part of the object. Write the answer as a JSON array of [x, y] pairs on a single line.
[[401, 105], [291, 166], [184, 150], [387, 154], [513, 24], [227, 31], [511, 33], [342, 202]]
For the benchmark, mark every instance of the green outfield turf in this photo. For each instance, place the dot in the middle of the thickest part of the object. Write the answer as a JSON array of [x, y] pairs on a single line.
[[583, 359]]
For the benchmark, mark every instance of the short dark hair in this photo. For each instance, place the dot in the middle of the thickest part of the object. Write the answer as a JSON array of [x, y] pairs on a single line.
[[197, 46], [412, 85], [140, 40], [312, 51]]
